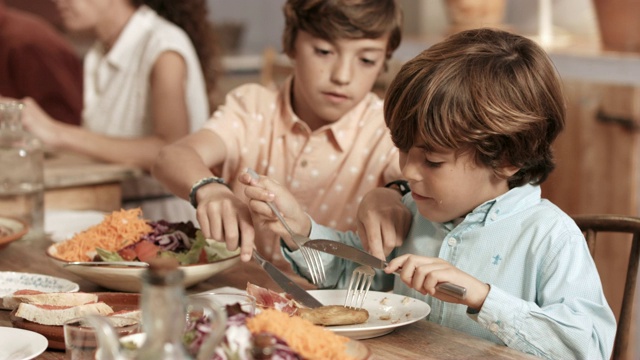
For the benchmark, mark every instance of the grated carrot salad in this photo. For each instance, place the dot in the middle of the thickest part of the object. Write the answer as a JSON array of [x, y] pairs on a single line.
[[117, 230], [309, 341]]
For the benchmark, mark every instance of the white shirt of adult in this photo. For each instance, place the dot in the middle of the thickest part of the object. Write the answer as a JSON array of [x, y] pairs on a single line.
[[117, 86]]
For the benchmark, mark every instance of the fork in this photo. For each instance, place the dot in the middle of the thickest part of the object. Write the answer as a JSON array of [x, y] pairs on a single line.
[[311, 257], [359, 285]]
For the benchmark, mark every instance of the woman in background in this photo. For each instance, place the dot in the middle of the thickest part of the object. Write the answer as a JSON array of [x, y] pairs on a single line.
[[145, 85]]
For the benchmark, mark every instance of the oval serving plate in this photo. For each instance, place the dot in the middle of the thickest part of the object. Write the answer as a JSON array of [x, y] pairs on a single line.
[[128, 278], [11, 281], [17, 230], [55, 334]]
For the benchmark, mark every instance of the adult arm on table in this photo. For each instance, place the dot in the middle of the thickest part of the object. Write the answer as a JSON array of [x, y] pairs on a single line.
[[168, 111]]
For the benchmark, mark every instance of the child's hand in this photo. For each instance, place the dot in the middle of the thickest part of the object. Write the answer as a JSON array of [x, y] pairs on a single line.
[[224, 217], [263, 190], [424, 273], [383, 221]]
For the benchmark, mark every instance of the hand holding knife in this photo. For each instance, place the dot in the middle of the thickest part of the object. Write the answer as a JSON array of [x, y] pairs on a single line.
[[361, 257]]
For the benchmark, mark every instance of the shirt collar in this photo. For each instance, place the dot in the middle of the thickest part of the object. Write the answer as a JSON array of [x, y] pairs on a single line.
[[132, 35], [504, 205], [343, 131]]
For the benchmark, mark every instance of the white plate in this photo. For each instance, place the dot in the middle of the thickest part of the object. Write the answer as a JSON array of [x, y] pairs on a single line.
[[63, 224], [12, 281], [387, 311], [19, 344], [128, 278]]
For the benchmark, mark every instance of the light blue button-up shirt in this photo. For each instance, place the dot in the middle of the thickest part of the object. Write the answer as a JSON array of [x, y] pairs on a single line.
[[546, 297]]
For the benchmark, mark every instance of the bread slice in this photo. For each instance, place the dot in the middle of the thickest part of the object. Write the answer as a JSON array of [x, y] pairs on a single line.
[[55, 299], [125, 317], [57, 315]]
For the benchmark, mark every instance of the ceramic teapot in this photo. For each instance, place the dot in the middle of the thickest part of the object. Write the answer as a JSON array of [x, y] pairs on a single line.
[[165, 313]]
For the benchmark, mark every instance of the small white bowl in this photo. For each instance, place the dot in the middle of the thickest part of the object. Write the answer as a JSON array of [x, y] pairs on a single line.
[[129, 279]]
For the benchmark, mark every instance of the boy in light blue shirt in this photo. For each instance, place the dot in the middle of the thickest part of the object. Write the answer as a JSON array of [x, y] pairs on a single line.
[[474, 118]]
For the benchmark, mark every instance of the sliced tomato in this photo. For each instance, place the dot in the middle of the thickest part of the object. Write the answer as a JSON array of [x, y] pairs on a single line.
[[146, 250], [203, 257], [127, 253]]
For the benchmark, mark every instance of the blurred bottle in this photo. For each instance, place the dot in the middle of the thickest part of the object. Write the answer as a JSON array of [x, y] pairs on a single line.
[[21, 171]]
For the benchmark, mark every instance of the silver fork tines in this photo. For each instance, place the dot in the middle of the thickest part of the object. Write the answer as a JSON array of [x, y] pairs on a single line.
[[359, 285], [311, 256]]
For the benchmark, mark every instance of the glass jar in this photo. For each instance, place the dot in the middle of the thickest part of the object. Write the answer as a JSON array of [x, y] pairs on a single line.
[[163, 311], [21, 171]]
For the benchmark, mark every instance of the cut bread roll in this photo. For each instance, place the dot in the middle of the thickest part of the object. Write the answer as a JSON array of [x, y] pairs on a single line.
[[125, 317], [55, 299], [57, 315]]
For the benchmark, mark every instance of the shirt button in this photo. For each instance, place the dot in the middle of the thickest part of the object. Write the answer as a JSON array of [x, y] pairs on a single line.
[[494, 327], [303, 163], [452, 242], [493, 216]]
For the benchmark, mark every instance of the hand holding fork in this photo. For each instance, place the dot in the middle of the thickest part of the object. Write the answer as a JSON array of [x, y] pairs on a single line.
[[311, 257]]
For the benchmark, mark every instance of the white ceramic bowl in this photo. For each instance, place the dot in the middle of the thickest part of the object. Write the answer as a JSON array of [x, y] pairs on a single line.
[[128, 278]]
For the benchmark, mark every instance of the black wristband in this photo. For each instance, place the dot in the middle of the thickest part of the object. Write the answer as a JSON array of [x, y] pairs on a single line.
[[401, 185], [200, 183], [284, 245]]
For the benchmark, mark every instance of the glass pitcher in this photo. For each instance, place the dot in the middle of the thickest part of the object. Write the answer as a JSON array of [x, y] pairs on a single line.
[[21, 174]]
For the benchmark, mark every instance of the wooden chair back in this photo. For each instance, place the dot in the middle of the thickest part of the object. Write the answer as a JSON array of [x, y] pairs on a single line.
[[591, 225]]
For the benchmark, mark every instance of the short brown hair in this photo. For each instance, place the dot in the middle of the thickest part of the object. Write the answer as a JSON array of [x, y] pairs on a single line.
[[488, 92], [342, 19]]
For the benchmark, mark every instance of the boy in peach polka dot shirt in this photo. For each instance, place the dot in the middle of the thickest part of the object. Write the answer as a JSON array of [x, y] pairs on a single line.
[[322, 134]]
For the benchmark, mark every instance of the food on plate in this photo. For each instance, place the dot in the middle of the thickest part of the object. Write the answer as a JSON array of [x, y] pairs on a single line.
[[36, 297], [125, 317], [332, 315], [269, 299], [125, 236], [306, 339], [57, 315], [282, 335], [118, 230]]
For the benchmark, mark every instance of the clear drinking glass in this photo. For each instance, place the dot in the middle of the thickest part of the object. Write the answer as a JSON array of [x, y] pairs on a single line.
[[81, 342]]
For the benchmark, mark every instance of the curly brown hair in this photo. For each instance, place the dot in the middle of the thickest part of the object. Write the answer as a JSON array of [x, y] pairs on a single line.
[[490, 93], [191, 16], [340, 19]]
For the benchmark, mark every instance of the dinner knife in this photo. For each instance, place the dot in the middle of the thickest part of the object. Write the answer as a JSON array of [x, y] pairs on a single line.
[[361, 257], [299, 294]]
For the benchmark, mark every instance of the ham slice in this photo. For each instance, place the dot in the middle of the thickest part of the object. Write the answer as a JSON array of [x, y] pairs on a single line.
[[269, 299]]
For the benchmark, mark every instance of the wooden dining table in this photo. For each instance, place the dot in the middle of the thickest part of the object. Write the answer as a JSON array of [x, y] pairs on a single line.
[[418, 340], [76, 182]]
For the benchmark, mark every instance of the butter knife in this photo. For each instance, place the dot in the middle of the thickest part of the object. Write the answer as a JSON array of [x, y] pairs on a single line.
[[361, 257], [299, 294]]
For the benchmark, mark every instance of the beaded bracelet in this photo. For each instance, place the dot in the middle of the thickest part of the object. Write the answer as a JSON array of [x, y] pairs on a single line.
[[200, 183]]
